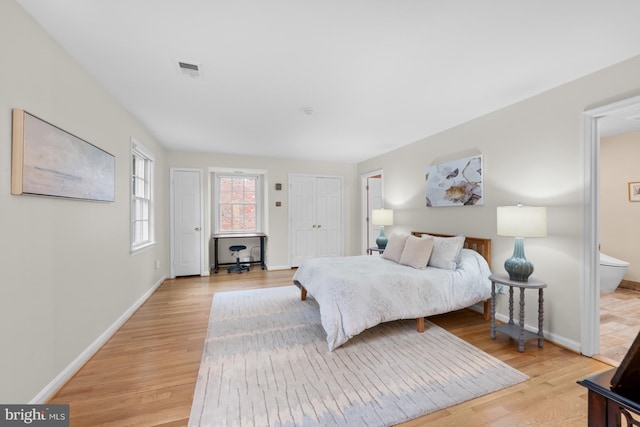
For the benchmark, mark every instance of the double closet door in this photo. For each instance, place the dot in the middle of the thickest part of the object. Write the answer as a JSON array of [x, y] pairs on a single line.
[[315, 216]]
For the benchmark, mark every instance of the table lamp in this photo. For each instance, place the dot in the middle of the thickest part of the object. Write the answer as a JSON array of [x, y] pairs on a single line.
[[520, 222], [382, 217]]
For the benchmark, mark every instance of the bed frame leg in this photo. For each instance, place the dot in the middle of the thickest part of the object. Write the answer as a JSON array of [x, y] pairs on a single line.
[[303, 293], [420, 324], [487, 310]]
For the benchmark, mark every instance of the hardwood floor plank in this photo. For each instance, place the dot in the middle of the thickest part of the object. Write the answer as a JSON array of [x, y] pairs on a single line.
[[145, 374]]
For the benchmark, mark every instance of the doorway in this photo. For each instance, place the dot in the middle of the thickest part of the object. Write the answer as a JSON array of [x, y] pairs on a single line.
[[594, 123], [372, 198]]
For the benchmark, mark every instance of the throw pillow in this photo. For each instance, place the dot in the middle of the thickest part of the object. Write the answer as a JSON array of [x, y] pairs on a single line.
[[446, 251], [395, 246], [417, 252]]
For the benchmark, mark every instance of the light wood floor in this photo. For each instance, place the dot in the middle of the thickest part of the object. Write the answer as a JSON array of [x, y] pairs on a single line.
[[619, 322], [145, 375]]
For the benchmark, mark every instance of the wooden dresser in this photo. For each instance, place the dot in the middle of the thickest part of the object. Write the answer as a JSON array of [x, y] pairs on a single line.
[[608, 408]]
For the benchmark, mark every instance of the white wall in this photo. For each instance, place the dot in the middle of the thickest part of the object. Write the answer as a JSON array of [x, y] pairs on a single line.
[[619, 231], [532, 154], [277, 171], [67, 274]]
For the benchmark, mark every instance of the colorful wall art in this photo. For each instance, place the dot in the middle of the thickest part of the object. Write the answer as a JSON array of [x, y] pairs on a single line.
[[455, 183]]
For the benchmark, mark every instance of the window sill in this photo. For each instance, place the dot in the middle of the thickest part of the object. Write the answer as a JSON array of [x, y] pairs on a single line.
[[142, 248]]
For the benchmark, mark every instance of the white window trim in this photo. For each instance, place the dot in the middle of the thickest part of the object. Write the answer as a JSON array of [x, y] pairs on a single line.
[[141, 150], [260, 205]]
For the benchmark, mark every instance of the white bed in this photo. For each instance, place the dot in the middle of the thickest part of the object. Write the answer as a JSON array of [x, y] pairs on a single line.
[[358, 292]]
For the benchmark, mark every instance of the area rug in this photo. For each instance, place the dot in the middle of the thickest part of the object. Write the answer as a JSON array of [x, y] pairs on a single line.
[[266, 363]]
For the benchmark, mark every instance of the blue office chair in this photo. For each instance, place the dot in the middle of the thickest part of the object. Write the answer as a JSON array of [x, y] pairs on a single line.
[[235, 250]]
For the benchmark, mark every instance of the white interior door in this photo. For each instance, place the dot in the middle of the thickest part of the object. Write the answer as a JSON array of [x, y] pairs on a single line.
[[302, 190], [328, 216], [187, 222], [315, 215]]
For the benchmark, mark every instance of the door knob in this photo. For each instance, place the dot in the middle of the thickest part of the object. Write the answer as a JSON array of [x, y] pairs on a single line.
[[197, 229]]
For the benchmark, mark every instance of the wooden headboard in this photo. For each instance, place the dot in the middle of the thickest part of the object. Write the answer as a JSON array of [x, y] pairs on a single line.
[[482, 246]]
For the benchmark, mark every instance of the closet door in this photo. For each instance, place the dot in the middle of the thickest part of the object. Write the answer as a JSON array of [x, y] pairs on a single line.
[[315, 217], [302, 205], [328, 215]]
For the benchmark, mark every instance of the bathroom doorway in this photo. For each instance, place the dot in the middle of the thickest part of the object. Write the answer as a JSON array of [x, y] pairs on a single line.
[[598, 122], [620, 274]]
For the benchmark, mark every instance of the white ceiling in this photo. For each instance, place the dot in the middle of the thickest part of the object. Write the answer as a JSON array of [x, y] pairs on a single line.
[[378, 74]]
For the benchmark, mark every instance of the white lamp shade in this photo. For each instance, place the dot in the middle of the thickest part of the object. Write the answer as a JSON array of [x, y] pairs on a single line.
[[522, 221], [382, 216]]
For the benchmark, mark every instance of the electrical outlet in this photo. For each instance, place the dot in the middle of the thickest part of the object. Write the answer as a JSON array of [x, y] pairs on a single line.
[[156, 264]]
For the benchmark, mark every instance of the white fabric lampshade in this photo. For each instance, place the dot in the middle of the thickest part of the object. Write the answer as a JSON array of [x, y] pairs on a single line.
[[522, 221], [382, 216]]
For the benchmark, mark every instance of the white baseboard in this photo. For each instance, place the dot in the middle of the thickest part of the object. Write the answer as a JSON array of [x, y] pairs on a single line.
[[479, 307], [278, 267], [548, 336], [64, 376]]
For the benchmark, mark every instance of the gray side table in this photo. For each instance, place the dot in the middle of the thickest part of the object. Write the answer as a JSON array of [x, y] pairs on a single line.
[[517, 331]]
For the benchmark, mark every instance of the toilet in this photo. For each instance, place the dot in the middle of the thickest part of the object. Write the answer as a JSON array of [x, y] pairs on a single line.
[[612, 270]]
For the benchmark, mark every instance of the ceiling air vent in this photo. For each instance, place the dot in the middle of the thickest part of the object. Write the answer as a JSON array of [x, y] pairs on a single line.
[[189, 68]]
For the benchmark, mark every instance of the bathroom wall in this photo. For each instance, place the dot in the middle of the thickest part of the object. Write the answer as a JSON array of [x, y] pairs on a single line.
[[619, 231]]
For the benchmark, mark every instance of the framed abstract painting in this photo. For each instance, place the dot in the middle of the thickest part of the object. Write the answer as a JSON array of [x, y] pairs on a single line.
[[456, 183], [48, 161]]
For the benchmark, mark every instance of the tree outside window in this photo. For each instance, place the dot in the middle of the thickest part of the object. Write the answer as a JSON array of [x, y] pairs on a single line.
[[238, 207]]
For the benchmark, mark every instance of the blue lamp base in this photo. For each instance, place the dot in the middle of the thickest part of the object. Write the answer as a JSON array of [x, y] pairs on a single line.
[[382, 240], [518, 267]]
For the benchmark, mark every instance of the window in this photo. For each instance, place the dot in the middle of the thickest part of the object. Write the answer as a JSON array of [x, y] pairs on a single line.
[[238, 203], [141, 197]]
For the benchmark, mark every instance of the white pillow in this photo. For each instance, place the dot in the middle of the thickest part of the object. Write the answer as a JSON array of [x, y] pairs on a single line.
[[417, 252], [395, 246], [446, 251]]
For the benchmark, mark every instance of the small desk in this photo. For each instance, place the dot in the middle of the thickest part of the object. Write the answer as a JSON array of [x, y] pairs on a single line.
[[373, 249], [219, 236], [607, 407], [517, 331]]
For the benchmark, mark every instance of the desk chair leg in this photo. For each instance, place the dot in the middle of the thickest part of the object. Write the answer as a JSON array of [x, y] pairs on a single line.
[[237, 266]]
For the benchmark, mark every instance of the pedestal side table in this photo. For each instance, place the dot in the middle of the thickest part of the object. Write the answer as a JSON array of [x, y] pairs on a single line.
[[517, 332]]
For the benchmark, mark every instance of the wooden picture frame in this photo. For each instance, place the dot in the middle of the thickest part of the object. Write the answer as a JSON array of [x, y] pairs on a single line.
[[634, 191], [48, 161]]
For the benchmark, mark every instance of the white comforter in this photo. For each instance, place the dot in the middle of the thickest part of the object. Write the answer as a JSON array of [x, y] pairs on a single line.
[[358, 292]]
